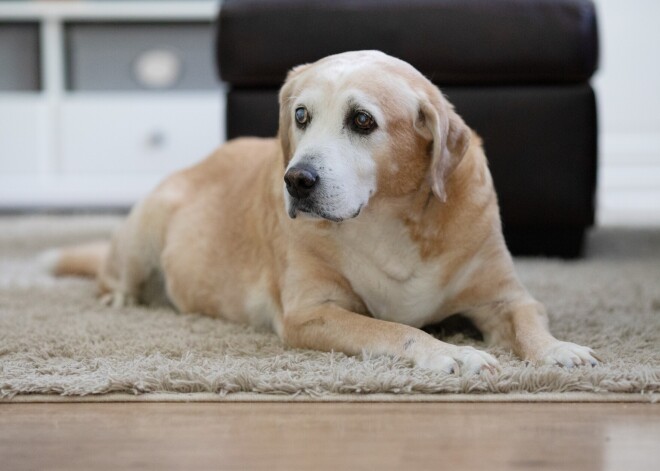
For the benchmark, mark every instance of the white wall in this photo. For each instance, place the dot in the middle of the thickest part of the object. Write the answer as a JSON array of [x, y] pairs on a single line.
[[628, 90]]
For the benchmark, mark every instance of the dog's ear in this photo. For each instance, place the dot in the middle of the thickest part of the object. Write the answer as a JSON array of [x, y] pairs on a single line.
[[285, 99], [450, 138]]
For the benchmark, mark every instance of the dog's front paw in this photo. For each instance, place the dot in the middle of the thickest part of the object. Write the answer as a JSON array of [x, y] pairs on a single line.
[[569, 355], [117, 300], [437, 360], [451, 359]]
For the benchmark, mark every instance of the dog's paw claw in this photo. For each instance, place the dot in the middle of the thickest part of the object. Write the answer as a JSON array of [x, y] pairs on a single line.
[[440, 362], [475, 361]]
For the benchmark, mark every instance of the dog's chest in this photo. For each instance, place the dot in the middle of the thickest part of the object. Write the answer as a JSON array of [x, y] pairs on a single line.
[[386, 270]]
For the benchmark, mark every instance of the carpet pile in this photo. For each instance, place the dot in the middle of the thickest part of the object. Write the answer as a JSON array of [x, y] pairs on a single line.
[[58, 342]]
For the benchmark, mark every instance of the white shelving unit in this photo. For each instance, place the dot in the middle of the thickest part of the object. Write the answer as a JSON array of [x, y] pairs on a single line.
[[74, 148]]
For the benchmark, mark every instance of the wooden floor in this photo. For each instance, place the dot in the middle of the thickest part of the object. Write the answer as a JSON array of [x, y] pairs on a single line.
[[329, 436]]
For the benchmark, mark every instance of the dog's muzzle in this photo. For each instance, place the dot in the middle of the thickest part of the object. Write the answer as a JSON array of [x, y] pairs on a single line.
[[308, 195]]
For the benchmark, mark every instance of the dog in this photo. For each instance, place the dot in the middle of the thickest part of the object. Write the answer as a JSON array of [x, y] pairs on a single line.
[[372, 214]]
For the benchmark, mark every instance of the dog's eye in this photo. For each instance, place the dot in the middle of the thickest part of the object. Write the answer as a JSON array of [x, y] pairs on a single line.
[[302, 116], [363, 121]]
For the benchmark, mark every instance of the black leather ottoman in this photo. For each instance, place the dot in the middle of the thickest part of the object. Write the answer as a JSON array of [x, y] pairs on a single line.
[[517, 71]]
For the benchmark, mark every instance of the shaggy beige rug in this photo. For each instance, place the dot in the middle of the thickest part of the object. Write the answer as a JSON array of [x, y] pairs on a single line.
[[57, 342]]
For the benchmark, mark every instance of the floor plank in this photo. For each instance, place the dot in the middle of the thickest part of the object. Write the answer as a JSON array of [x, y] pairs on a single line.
[[329, 436]]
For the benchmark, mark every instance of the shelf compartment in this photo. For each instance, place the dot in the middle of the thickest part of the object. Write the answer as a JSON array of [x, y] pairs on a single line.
[[19, 57], [123, 56]]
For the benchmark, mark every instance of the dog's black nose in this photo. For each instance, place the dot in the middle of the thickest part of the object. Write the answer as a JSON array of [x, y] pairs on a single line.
[[300, 180]]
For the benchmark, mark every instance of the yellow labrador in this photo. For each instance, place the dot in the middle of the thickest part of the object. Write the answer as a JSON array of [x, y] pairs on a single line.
[[371, 215]]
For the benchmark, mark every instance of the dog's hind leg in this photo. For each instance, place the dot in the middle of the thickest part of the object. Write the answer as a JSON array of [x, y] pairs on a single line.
[[136, 247]]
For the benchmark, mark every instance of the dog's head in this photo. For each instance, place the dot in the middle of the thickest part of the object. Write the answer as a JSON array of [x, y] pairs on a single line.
[[364, 125]]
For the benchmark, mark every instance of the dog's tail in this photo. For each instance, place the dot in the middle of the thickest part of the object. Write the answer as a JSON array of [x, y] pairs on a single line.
[[79, 260]]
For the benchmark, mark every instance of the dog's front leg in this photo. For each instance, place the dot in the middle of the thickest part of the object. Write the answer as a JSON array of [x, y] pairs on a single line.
[[522, 326], [329, 327]]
